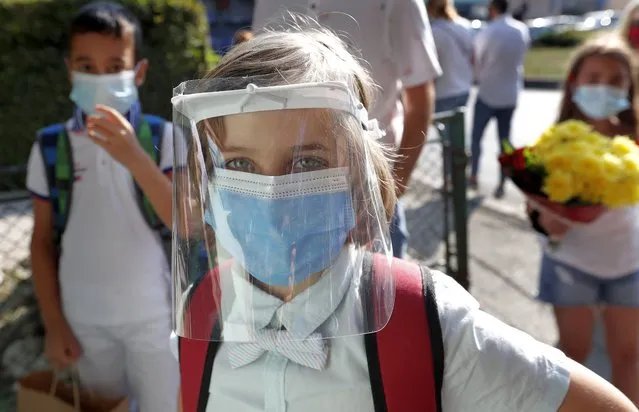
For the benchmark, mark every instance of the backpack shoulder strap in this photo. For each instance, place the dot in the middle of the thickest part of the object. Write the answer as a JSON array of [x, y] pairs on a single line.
[[55, 148], [151, 136], [406, 358], [196, 356]]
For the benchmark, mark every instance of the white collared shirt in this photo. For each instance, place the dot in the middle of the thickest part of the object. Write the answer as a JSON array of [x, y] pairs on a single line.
[[113, 268], [500, 50], [392, 36], [489, 366]]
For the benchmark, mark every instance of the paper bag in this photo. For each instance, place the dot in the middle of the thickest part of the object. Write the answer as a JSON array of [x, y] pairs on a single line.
[[35, 394]]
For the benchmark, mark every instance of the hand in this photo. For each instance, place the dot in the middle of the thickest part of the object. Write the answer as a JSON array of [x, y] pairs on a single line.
[[553, 226], [111, 131], [62, 347]]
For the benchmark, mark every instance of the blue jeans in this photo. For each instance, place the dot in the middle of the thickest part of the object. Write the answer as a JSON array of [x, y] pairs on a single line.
[[399, 232], [563, 285], [450, 103], [483, 114]]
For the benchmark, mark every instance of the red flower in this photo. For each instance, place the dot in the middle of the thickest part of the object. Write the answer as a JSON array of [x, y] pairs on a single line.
[[505, 160], [518, 159]]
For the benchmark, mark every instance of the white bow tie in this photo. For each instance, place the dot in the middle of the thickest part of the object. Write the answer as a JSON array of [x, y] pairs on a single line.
[[311, 352]]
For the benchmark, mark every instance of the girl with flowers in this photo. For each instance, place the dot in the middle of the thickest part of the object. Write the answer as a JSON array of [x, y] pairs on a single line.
[[596, 265]]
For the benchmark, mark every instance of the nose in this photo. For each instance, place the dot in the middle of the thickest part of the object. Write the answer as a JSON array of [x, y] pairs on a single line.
[[274, 168], [274, 162]]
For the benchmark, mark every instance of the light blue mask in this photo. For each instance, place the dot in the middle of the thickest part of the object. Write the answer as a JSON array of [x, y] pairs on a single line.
[[117, 91], [600, 102], [282, 229]]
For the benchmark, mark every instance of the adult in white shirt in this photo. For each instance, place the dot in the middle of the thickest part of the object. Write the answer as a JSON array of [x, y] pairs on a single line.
[[395, 40], [499, 69], [454, 41]]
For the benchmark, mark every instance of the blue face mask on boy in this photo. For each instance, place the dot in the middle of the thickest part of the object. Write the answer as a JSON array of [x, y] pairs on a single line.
[[600, 102], [281, 229], [117, 91]]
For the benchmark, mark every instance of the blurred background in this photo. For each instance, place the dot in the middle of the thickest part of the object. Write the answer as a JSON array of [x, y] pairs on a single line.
[[183, 38]]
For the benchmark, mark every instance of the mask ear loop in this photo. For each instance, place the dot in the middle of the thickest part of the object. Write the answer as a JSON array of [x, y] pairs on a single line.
[[136, 68]]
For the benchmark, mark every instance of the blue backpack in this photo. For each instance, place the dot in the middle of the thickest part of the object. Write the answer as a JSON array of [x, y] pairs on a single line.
[[57, 155]]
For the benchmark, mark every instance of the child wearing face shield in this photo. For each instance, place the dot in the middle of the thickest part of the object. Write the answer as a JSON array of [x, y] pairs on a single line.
[[101, 186], [596, 266], [305, 309]]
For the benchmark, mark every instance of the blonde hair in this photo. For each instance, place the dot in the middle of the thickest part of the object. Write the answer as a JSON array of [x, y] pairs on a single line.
[[609, 46], [441, 9], [627, 18], [305, 52]]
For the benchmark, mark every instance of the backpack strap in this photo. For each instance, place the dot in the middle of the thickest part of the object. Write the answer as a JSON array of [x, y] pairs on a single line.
[[406, 373], [196, 369], [196, 356], [55, 148], [151, 136], [406, 358]]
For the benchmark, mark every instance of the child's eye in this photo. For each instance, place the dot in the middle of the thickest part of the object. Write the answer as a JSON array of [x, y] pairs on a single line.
[[117, 68], [241, 165], [308, 164], [86, 68]]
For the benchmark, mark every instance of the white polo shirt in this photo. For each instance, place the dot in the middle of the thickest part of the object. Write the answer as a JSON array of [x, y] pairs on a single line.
[[489, 366], [113, 269], [500, 50], [454, 41], [392, 36]]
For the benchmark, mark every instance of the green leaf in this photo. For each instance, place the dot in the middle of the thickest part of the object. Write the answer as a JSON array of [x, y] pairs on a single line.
[[507, 147]]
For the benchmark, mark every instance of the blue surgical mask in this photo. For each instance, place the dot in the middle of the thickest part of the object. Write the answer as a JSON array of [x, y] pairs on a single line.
[[600, 102], [117, 91], [281, 229]]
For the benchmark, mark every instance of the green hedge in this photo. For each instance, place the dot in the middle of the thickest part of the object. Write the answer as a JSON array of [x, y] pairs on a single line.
[[33, 78], [568, 38]]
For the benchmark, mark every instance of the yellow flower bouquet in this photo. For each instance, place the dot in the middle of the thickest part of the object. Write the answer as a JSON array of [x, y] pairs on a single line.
[[575, 171]]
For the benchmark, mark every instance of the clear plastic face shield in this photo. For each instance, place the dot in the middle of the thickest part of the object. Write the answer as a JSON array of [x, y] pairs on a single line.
[[277, 212]]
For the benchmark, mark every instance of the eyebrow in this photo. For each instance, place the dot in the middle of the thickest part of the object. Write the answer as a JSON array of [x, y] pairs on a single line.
[[296, 148], [88, 59]]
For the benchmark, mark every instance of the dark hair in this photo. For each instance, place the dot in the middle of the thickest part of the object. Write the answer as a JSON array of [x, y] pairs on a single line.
[[108, 18], [500, 5]]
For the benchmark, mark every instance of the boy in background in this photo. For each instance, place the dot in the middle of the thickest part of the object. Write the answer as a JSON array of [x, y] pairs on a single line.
[[99, 269]]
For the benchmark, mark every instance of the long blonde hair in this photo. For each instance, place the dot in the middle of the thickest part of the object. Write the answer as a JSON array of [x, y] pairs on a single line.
[[441, 9], [302, 51], [610, 46]]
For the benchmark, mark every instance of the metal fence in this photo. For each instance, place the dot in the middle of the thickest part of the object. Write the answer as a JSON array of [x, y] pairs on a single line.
[[20, 327], [15, 218], [436, 202]]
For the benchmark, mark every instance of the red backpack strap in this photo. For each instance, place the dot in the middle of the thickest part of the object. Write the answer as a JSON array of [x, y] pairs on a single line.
[[196, 356], [196, 367], [406, 358]]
